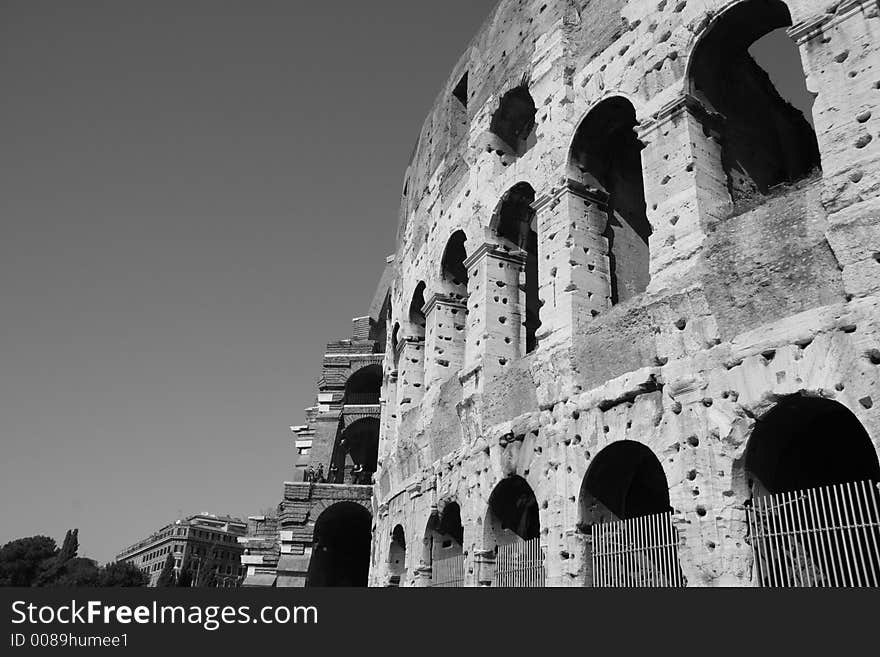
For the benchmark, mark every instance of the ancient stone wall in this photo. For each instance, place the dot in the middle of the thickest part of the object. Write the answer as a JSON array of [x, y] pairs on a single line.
[[762, 273]]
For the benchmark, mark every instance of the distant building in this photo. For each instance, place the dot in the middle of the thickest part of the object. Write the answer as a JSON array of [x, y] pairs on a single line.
[[209, 541], [261, 551]]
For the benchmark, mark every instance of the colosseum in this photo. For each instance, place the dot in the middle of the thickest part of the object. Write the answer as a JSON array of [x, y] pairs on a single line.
[[630, 334]]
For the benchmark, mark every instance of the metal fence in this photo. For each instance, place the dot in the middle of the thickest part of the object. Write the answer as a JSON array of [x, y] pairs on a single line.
[[520, 564], [826, 536], [640, 552], [448, 572]]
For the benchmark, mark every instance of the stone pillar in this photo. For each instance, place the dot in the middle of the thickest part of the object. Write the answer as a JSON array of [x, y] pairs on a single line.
[[839, 51], [411, 374], [444, 339], [423, 576], [685, 186], [495, 332], [574, 274], [484, 567]]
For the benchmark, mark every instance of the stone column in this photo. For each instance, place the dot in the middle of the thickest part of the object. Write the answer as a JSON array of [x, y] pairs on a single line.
[[495, 332], [444, 339], [574, 274], [484, 567], [839, 51], [411, 374], [685, 186]]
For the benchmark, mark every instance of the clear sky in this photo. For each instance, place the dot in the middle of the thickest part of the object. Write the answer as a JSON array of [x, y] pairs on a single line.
[[195, 197]]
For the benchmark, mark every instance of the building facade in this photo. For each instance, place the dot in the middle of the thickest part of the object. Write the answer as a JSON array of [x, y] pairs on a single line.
[[206, 540], [260, 551], [633, 311]]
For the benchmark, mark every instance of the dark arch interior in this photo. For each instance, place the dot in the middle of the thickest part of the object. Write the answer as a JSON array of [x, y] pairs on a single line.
[[606, 153], [513, 506], [766, 141], [808, 442], [397, 556], [356, 453], [444, 535], [364, 386], [625, 481], [514, 120], [516, 223], [416, 316], [452, 264], [341, 550]]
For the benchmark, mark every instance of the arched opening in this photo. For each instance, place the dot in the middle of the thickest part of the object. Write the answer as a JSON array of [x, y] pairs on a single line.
[[443, 548], [515, 221], [624, 510], [624, 481], [513, 513], [514, 120], [814, 512], [766, 141], [356, 453], [364, 386], [513, 530], [416, 313], [396, 344], [808, 442], [397, 557], [341, 547], [606, 154], [455, 274]]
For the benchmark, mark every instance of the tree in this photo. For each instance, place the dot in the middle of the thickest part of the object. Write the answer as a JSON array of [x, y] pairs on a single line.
[[79, 572], [207, 573], [122, 574], [185, 577], [167, 577], [22, 560], [55, 569]]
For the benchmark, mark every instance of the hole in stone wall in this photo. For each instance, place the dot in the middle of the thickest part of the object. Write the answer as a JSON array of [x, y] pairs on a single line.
[[458, 115], [514, 120], [606, 155], [766, 140]]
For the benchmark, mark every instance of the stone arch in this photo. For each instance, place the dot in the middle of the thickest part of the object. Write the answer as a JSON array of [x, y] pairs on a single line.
[[416, 315], [512, 514], [397, 557], [812, 472], [808, 442], [605, 155], [514, 223], [341, 546], [765, 140], [444, 534], [364, 386], [625, 480], [356, 452], [453, 273]]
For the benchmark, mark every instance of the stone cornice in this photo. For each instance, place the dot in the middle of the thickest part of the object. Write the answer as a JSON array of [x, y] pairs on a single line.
[[517, 257], [812, 27], [439, 299]]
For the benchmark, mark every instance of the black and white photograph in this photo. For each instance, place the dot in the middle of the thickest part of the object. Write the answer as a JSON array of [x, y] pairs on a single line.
[[522, 294]]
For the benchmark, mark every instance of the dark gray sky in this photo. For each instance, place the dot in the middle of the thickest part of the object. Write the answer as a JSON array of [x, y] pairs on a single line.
[[196, 196]]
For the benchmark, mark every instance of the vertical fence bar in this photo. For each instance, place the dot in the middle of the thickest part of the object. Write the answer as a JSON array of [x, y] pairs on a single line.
[[871, 525]]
